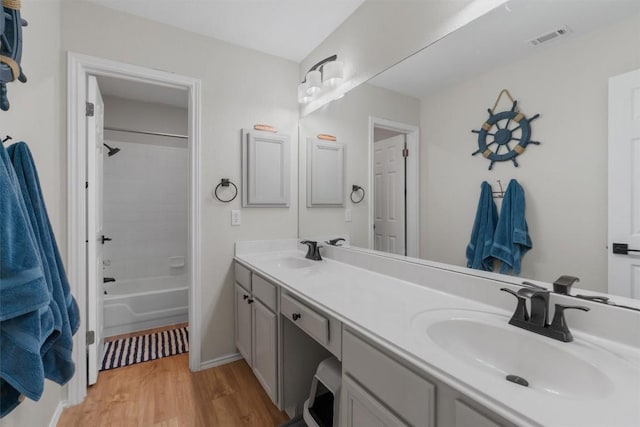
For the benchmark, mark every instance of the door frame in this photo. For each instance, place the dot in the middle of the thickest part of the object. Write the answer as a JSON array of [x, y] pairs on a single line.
[[79, 67], [412, 172]]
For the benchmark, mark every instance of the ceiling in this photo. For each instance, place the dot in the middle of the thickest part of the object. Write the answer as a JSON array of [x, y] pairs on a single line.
[[499, 37], [290, 29], [143, 92]]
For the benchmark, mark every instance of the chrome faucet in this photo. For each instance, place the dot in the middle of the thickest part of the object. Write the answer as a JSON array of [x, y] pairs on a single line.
[[313, 250], [538, 320]]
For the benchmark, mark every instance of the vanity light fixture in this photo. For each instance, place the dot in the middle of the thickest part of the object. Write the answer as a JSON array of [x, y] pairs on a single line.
[[325, 74]]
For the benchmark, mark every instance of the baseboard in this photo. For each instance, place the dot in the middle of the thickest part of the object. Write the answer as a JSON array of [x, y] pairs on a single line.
[[56, 415], [220, 361]]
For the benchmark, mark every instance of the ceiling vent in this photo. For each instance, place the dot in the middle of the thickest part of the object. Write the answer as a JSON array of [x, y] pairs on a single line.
[[550, 36]]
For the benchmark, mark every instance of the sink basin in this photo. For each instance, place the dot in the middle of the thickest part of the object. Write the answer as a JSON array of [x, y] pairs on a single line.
[[486, 342], [291, 262]]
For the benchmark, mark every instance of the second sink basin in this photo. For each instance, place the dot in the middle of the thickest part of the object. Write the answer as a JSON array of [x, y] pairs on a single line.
[[487, 342]]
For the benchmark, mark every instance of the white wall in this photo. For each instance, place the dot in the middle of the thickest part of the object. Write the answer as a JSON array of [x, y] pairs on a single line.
[[565, 178], [381, 33], [146, 187], [145, 210], [145, 116], [240, 87], [36, 117], [348, 120]]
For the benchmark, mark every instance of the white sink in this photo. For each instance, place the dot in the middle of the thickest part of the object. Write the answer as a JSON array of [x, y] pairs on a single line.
[[292, 262], [486, 342]]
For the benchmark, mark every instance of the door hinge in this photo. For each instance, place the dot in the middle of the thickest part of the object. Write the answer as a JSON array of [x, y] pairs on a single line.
[[86, 184], [91, 337], [405, 152], [90, 109]]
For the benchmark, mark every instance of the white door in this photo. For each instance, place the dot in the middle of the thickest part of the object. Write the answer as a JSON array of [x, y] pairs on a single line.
[[624, 176], [389, 195], [95, 292]]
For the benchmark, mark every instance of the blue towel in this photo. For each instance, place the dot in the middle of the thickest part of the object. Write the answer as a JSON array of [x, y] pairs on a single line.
[[26, 320], [478, 255], [511, 240], [56, 351]]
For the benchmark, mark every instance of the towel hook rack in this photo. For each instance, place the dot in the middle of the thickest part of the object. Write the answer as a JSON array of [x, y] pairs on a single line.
[[7, 138], [225, 182], [498, 194]]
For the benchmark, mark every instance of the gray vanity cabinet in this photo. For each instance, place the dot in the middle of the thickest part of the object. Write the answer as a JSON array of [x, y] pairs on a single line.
[[256, 329], [379, 390]]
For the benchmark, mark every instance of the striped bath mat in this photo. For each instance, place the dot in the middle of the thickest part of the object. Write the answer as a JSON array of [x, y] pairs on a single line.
[[128, 351]]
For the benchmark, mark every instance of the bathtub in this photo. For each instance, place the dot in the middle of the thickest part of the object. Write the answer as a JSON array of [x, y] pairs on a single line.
[[135, 305]]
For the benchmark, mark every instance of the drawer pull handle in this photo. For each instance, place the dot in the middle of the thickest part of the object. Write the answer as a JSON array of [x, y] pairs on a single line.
[[296, 316], [245, 296], [250, 300]]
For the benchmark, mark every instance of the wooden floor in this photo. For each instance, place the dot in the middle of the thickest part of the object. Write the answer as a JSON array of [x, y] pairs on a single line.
[[165, 393]]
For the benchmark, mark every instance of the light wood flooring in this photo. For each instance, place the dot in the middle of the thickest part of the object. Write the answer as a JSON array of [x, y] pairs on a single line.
[[165, 393]]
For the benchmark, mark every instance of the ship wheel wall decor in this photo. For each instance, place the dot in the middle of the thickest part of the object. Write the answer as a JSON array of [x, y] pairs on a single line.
[[11, 24], [506, 131]]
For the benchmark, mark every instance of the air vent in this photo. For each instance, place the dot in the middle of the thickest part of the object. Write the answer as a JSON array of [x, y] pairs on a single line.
[[550, 36]]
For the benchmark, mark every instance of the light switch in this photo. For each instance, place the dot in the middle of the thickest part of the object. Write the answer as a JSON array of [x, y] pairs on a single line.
[[347, 215], [235, 217]]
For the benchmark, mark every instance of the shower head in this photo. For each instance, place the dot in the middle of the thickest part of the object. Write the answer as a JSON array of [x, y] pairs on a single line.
[[112, 150]]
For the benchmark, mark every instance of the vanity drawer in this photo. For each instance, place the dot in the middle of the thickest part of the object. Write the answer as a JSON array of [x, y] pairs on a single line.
[[307, 319], [405, 392], [243, 276], [264, 291]]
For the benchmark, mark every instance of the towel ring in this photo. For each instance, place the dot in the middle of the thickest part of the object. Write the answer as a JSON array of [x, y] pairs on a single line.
[[225, 182], [355, 189]]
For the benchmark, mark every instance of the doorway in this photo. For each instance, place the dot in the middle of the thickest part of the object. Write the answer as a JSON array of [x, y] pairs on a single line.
[[86, 152], [393, 180]]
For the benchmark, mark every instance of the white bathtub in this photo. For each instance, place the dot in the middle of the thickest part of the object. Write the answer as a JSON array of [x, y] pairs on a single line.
[[135, 305]]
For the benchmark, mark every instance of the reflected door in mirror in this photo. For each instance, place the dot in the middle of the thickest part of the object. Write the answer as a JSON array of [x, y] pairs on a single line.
[[389, 195]]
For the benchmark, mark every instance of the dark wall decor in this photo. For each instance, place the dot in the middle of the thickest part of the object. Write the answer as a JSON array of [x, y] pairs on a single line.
[[501, 130], [11, 24]]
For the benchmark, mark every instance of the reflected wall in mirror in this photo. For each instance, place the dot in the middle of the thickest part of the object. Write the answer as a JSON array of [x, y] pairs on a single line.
[[445, 91], [325, 173]]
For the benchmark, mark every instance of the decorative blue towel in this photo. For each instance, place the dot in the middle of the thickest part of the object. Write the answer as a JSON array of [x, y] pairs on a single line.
[[56, 352], [478, 255], [511, 240], [26, 319]]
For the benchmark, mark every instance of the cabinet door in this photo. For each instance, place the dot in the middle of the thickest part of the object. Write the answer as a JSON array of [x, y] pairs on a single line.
[[266, 171], [243, 322], [360, 409], [469, 417], [265, 343]]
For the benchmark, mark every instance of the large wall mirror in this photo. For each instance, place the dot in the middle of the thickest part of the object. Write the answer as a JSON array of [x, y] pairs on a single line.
[[429, 104]]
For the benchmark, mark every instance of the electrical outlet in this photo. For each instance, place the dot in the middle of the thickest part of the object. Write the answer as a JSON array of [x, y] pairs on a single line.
[[347, 215], [236, 218]]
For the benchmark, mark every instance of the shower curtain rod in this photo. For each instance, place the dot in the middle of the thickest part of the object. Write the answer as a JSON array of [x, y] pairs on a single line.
[[172, 135]]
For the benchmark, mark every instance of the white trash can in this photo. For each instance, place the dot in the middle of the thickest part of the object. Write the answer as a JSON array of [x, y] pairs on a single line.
[[322, 407]]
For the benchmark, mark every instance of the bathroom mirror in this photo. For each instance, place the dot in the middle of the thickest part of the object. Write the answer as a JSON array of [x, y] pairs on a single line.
[[555, 58]]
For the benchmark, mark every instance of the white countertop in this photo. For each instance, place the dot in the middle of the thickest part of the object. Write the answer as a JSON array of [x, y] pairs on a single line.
[[385, 309]]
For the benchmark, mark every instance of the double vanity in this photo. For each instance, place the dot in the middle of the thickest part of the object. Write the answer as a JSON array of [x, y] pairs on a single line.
[[423, 344]]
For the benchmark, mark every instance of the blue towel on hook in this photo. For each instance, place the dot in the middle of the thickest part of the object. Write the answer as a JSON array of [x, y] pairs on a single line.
[[478, 255], [26, 320], [56, 352], [511, 240]]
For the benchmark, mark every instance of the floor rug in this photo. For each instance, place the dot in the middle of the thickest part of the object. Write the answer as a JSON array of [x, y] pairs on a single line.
[[132, 350]]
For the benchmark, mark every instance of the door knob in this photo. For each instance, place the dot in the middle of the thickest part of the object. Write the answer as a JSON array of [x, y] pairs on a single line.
[[105, 239]]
